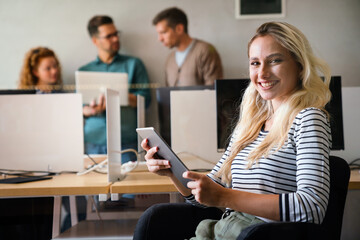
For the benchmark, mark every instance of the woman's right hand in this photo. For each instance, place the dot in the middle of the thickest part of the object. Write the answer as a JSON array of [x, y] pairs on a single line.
[[158, 166]]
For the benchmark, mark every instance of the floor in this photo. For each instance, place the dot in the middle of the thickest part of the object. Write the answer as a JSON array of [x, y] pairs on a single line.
[[100, 229]]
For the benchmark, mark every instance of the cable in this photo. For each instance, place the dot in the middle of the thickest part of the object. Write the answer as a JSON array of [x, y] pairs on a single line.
[[97, 166], [102, 169], [353, 165], [95, 163], [141, 152], [354, 161]]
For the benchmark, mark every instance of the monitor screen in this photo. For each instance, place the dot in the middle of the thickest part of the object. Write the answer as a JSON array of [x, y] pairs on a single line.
[[334, 107], [92, 84], [163, 99], [228, 98]]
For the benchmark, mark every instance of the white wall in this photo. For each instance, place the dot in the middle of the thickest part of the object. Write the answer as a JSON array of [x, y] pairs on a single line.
[[331, 26]]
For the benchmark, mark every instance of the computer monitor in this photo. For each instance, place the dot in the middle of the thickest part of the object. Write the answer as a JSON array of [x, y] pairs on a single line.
[[41, 132], [163, 99], [228, 98], [92, 84], [17, 91], [334, 107]]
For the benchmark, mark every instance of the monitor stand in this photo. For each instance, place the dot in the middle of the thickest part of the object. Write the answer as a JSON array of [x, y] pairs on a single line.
[[113, 131], [140, 123]]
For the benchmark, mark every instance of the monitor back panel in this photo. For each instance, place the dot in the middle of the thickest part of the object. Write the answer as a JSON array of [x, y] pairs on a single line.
[[163, 100], [193, 124], [92, 84], [42, 132]]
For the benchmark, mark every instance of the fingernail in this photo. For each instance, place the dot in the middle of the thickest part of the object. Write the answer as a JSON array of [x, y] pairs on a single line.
[[147, 140], [157, 148]]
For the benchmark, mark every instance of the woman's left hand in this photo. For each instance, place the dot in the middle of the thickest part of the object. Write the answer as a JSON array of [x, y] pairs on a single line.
[[205, 190]]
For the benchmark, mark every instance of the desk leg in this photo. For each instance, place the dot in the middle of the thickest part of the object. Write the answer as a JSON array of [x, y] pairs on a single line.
[[56, 216], [73, 210]]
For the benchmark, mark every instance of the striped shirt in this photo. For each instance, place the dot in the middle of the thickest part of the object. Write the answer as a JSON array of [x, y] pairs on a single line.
[[298, 172]]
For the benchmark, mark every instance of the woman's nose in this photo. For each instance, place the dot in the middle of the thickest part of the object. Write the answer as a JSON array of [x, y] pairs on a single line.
[[264, 71]]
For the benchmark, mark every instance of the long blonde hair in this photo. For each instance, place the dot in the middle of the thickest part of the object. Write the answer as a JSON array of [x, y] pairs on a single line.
[[28, 80], [311, 91]]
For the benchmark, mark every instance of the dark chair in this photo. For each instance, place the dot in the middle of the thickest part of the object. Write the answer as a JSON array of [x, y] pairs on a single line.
[[180, 220], [330, 228]]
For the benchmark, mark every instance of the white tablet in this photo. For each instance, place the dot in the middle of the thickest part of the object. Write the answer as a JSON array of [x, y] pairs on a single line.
[[165, 152]]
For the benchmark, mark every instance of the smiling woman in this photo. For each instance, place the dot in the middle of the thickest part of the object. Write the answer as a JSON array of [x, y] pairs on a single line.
[[41, 71], [273, 71], [269, 172]]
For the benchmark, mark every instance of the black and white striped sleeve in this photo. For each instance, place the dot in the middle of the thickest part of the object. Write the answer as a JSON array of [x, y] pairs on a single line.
[[312, 139]]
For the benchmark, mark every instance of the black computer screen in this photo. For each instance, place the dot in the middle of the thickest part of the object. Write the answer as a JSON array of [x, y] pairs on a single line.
[[16, 91], [228, 98], [334, 107]]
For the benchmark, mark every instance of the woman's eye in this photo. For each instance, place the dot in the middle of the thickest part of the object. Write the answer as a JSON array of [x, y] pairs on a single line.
[[278, 60]]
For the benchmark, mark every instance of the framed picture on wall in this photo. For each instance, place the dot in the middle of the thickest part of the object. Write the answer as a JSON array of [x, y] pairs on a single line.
[[257, 9]]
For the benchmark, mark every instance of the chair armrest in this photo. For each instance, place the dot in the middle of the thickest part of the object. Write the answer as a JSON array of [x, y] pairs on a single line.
[[280, 231]]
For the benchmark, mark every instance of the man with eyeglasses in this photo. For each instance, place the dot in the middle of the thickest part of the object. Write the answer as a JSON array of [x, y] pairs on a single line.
[[194, 62], [105, 37]]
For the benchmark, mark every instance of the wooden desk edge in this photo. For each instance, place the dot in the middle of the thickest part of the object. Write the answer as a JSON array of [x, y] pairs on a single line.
[[41, 192], [354, 182], [142, 189]]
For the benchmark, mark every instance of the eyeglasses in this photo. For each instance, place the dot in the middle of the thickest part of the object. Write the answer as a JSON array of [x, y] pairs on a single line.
[[111, 35]]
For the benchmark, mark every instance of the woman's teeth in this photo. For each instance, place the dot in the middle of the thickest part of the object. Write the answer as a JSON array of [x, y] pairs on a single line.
[[267, 84]]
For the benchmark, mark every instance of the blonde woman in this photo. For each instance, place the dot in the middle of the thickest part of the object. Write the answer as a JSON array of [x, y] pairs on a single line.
[[41, 71], [276, 167]]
